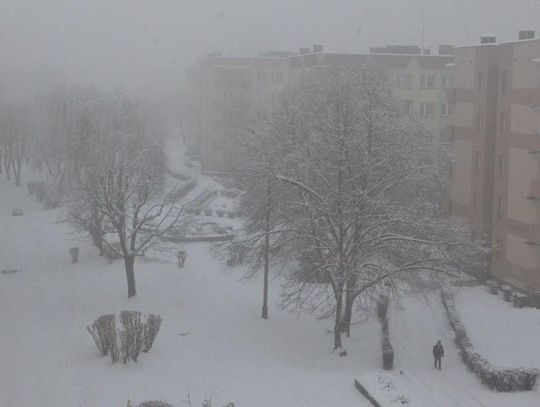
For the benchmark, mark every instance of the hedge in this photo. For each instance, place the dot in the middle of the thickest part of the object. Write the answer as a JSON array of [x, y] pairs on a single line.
[[494, 377]]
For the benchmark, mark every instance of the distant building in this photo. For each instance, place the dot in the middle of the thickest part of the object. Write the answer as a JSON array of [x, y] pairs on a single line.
[[226, 94], [496, 176]]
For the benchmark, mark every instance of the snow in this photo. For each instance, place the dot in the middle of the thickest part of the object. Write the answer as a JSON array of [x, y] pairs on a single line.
[[416, 323], [504, 334], [212, 342]]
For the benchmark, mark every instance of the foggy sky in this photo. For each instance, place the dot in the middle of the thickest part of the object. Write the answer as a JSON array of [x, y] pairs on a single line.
[[144, 45]]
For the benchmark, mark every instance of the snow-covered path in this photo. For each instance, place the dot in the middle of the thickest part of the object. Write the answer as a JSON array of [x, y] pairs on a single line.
[[415, 325]]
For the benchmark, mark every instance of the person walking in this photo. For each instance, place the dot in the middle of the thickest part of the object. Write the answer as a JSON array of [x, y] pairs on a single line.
[[438, 354]]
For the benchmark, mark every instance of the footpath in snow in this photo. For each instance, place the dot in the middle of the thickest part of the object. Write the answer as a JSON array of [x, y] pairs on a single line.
[[415, 325]]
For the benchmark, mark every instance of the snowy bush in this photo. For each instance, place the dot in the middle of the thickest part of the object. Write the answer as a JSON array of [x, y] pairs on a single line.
[[387, 350], [17, 211], [507, 292], [220, 212], [493, 286], [501, 379], [125, 344], [208, 212], [153, 403], [519, 300], [158, 403]]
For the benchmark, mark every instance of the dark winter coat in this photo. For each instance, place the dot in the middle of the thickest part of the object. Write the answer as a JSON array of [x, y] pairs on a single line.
[[438, 350]]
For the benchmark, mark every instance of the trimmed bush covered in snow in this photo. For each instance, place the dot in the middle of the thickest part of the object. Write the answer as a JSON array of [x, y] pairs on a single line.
[[153, 403], [387, 350], [493, 286], [124, 344], [519, 299], [17, 211], [157, 403], [507, 292], [497, 378]]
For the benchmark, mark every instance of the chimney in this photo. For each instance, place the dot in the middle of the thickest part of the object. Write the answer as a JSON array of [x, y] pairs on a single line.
[[317, 48], [526, 34], [488, 40], [304, 51]]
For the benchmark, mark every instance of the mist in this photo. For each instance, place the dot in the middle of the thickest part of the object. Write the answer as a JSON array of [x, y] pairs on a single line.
[[144, 46]]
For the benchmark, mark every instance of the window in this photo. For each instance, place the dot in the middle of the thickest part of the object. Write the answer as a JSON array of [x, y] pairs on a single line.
[[501, 167], [427, 81], [427, 109], [479, 121], [480, 82], [477, 160], [277, 77], [446, 81], [498, 249], [446, 109], [502, 124], [504, 81], [407, 107], [499, 208], [404, 81]]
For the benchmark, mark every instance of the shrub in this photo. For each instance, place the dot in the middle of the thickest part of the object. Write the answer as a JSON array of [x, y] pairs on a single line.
[[493, 286], [153, 403], [103, 331], [158, 403], [17, 211], [220, 212], [127, 343], [208, 212], [507, 292], [519, 300], [501, 379]]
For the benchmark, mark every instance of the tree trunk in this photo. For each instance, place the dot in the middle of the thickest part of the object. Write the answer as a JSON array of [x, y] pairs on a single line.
[[129, 262], [337, 326], [266, 250], [17, 172], [265, 286], [347, 314]]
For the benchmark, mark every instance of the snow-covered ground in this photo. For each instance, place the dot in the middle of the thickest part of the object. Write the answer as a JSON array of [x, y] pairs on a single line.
[[212, 342], [507, 336]]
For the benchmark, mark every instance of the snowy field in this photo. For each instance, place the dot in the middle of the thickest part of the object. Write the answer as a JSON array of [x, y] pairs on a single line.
[[212, 343]]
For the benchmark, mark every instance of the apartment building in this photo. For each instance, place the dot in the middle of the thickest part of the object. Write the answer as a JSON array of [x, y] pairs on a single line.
[[226, 94], [423, 83], [496, 178]]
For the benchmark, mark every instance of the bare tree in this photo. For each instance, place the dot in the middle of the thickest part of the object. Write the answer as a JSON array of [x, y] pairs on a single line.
[[360, 205]]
